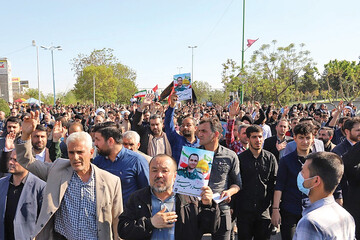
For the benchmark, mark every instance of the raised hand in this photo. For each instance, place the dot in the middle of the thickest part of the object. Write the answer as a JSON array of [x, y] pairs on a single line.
[[173, 99], [29, 125], [148, 99], [58, 131], [9, 141], [234, 109], [257, 105]]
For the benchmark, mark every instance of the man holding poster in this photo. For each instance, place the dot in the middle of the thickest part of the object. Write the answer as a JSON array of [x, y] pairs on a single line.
[[182, 86], [225, 176], [155, 212]]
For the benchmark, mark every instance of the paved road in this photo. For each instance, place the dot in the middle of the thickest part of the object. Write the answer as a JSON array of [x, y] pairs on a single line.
[[274, 237]]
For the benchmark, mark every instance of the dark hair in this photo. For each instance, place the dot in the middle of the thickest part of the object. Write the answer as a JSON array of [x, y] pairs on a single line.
[[110, 132], [14, 120], [164, 155], [253, 129], [40, 127], [194, 154], [351, 122], [76, 124], [105, 124], [155, 116], [303, 129], [63, 121], [306, 119], [328, 166], [214, 122], [282, 120], [329, 131]]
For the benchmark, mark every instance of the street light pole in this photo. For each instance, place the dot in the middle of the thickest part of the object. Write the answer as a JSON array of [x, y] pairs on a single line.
[[179, 68], [38, 70], [52, 48], [192, 61]]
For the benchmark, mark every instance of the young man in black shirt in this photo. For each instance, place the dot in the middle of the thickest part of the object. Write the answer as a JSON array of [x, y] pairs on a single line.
[[252, 204]]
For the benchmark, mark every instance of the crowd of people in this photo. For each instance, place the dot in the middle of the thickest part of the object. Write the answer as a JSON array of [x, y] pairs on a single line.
[[107, 172]]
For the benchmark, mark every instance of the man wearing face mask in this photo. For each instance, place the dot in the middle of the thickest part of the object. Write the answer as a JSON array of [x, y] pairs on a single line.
[[324, 218], [288, 213]]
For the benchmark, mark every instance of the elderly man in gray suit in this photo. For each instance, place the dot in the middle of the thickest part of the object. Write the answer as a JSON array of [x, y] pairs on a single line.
[[81, 201]]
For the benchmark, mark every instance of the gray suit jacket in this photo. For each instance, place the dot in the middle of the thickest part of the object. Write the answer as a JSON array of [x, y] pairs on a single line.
[[57, 176], [28, 207]]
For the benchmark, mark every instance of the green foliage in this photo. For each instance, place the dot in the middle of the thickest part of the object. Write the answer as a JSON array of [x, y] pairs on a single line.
[[4, 107], [272, 73], [218, 97], [308, 82], [343, 77], [67, 98], [32, 93], [105, 84], [202, 90], [114, 82], [126, 86]]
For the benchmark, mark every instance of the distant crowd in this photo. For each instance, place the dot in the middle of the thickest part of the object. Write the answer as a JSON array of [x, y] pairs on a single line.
[[107, 172]]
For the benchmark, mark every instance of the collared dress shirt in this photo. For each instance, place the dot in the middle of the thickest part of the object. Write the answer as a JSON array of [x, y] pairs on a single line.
[[130, 167], [258, 177], [41, 156], [325, 219], [157, 205], [76, 217]]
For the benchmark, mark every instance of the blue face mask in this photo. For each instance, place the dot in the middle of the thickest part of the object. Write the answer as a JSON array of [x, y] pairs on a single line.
[[300, 184]]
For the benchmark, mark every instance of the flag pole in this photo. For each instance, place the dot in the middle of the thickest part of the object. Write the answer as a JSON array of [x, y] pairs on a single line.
[[242, 55]]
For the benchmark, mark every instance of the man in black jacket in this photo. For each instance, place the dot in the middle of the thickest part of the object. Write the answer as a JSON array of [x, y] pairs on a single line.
[[276, 144], [258, 173], [155, 212]]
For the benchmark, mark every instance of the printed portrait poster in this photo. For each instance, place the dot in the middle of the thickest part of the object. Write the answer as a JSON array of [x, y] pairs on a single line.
[[193, 171], [182, 86]]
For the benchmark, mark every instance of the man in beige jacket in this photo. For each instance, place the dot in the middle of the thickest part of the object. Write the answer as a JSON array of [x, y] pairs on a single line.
[[80, 201]]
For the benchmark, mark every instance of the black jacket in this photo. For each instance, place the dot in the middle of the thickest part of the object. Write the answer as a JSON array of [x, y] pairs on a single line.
[[194, 219], [270, 145], [144, 132]]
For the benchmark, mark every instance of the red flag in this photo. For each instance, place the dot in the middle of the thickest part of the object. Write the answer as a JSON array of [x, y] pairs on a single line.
[[155, 88], [251, 42]]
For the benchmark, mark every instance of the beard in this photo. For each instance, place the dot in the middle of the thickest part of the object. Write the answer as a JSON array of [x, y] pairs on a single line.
[[38, 146], [354, 138], [104, 152], [160, 189], [186, 133]]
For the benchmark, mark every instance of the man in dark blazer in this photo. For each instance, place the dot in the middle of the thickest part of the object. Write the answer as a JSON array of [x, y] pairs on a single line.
[[352, 172], [20, 200], [277, 143]]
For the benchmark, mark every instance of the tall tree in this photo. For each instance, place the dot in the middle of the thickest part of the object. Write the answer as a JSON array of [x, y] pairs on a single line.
[[202, 90], [272, 73], [343, 77], [122, 79], [280, 68], [308, 81], [105, 84]]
